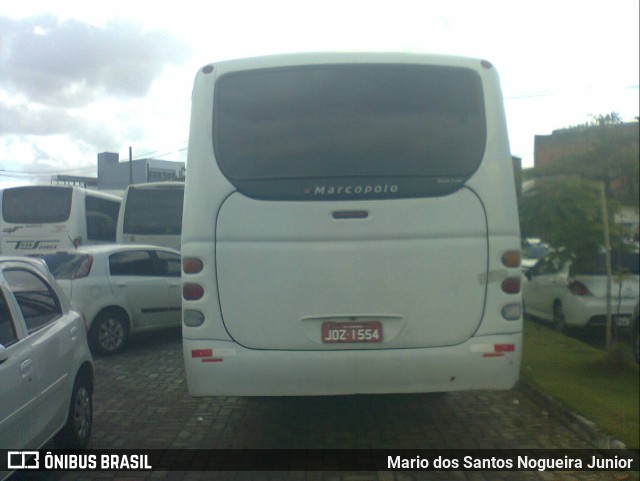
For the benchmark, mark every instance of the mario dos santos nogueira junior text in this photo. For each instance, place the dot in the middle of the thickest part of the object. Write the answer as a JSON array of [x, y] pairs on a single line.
[[511, 462]]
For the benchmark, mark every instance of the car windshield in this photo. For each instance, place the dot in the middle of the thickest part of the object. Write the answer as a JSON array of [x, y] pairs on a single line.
[[535, 251], [64, 266]]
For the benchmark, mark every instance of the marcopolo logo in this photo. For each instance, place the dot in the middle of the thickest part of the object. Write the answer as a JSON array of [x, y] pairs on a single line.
[[355, 190]]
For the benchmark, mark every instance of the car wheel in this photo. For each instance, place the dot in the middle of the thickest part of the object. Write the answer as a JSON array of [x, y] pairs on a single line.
[[559, 323], [109, 332], [76, 433]]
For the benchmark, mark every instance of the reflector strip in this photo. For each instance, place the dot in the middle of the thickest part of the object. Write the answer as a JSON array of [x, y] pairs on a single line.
[[496, 350], [212, 359], [201, 352], [481, 348]]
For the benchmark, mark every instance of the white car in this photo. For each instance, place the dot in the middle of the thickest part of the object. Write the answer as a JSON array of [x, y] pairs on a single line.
[[46, 370], [532, 250], [570, 296], [120, 289]]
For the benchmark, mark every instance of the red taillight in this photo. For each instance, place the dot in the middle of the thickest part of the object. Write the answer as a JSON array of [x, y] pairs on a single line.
[[577, 288], [511, 285], [192, 292], [191, 265], [84, 268]]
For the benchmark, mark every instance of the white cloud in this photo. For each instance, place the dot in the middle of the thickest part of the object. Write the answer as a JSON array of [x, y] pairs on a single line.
[[71, 63]]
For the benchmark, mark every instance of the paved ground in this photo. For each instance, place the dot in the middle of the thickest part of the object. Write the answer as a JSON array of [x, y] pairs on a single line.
[[141, 401]]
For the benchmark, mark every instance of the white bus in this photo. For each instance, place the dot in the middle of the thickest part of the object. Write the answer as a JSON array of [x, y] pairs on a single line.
[[38, 219], [151, 214], [350, 226]]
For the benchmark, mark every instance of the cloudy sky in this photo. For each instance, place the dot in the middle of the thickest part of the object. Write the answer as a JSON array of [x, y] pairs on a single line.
[[78, 78]]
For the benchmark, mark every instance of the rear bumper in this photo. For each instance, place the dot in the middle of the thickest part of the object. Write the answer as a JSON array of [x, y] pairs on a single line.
[[592, 311], [221, 368]]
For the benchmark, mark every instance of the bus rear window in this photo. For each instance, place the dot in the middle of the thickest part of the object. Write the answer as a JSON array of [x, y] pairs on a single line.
[[346, 121], [36, 205], [153, 211]]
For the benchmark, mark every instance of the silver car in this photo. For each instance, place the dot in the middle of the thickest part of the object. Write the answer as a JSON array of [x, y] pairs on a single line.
[[120, 289], [573, 294], [46, 369]]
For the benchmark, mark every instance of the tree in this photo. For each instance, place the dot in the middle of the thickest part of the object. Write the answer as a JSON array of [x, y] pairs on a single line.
[[611, 156], [567, 209]]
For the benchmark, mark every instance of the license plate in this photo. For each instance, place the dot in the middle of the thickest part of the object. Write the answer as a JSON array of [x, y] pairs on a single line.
[[350, 332]]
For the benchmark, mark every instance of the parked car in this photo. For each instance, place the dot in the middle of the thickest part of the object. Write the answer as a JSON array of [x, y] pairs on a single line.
[[532, 250], [46, 369], [572, 293], [120, 289]]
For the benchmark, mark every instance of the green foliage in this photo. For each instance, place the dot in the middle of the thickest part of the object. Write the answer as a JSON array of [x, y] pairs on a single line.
[[612, 156], [584, 379], [566, 212], [565, 207]]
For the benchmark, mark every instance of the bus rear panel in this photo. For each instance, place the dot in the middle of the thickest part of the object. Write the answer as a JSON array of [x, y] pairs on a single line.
[[152, 214], [350, 226], [40, 219]]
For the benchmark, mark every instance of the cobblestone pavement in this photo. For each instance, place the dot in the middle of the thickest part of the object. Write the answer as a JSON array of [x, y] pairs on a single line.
[[141, 401]]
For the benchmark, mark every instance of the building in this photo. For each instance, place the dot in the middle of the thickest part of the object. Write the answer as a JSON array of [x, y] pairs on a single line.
[[571, 143], [113, 174], [116, 175], [517, 174]]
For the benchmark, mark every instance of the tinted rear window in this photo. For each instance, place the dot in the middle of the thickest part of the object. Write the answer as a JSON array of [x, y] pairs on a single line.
[[335, 122], [153, 211], [535, 251], [64, 266], [36, 205]]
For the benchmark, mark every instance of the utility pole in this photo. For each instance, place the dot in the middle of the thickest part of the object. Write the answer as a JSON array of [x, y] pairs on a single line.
[[130, 166], [607, 256]]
